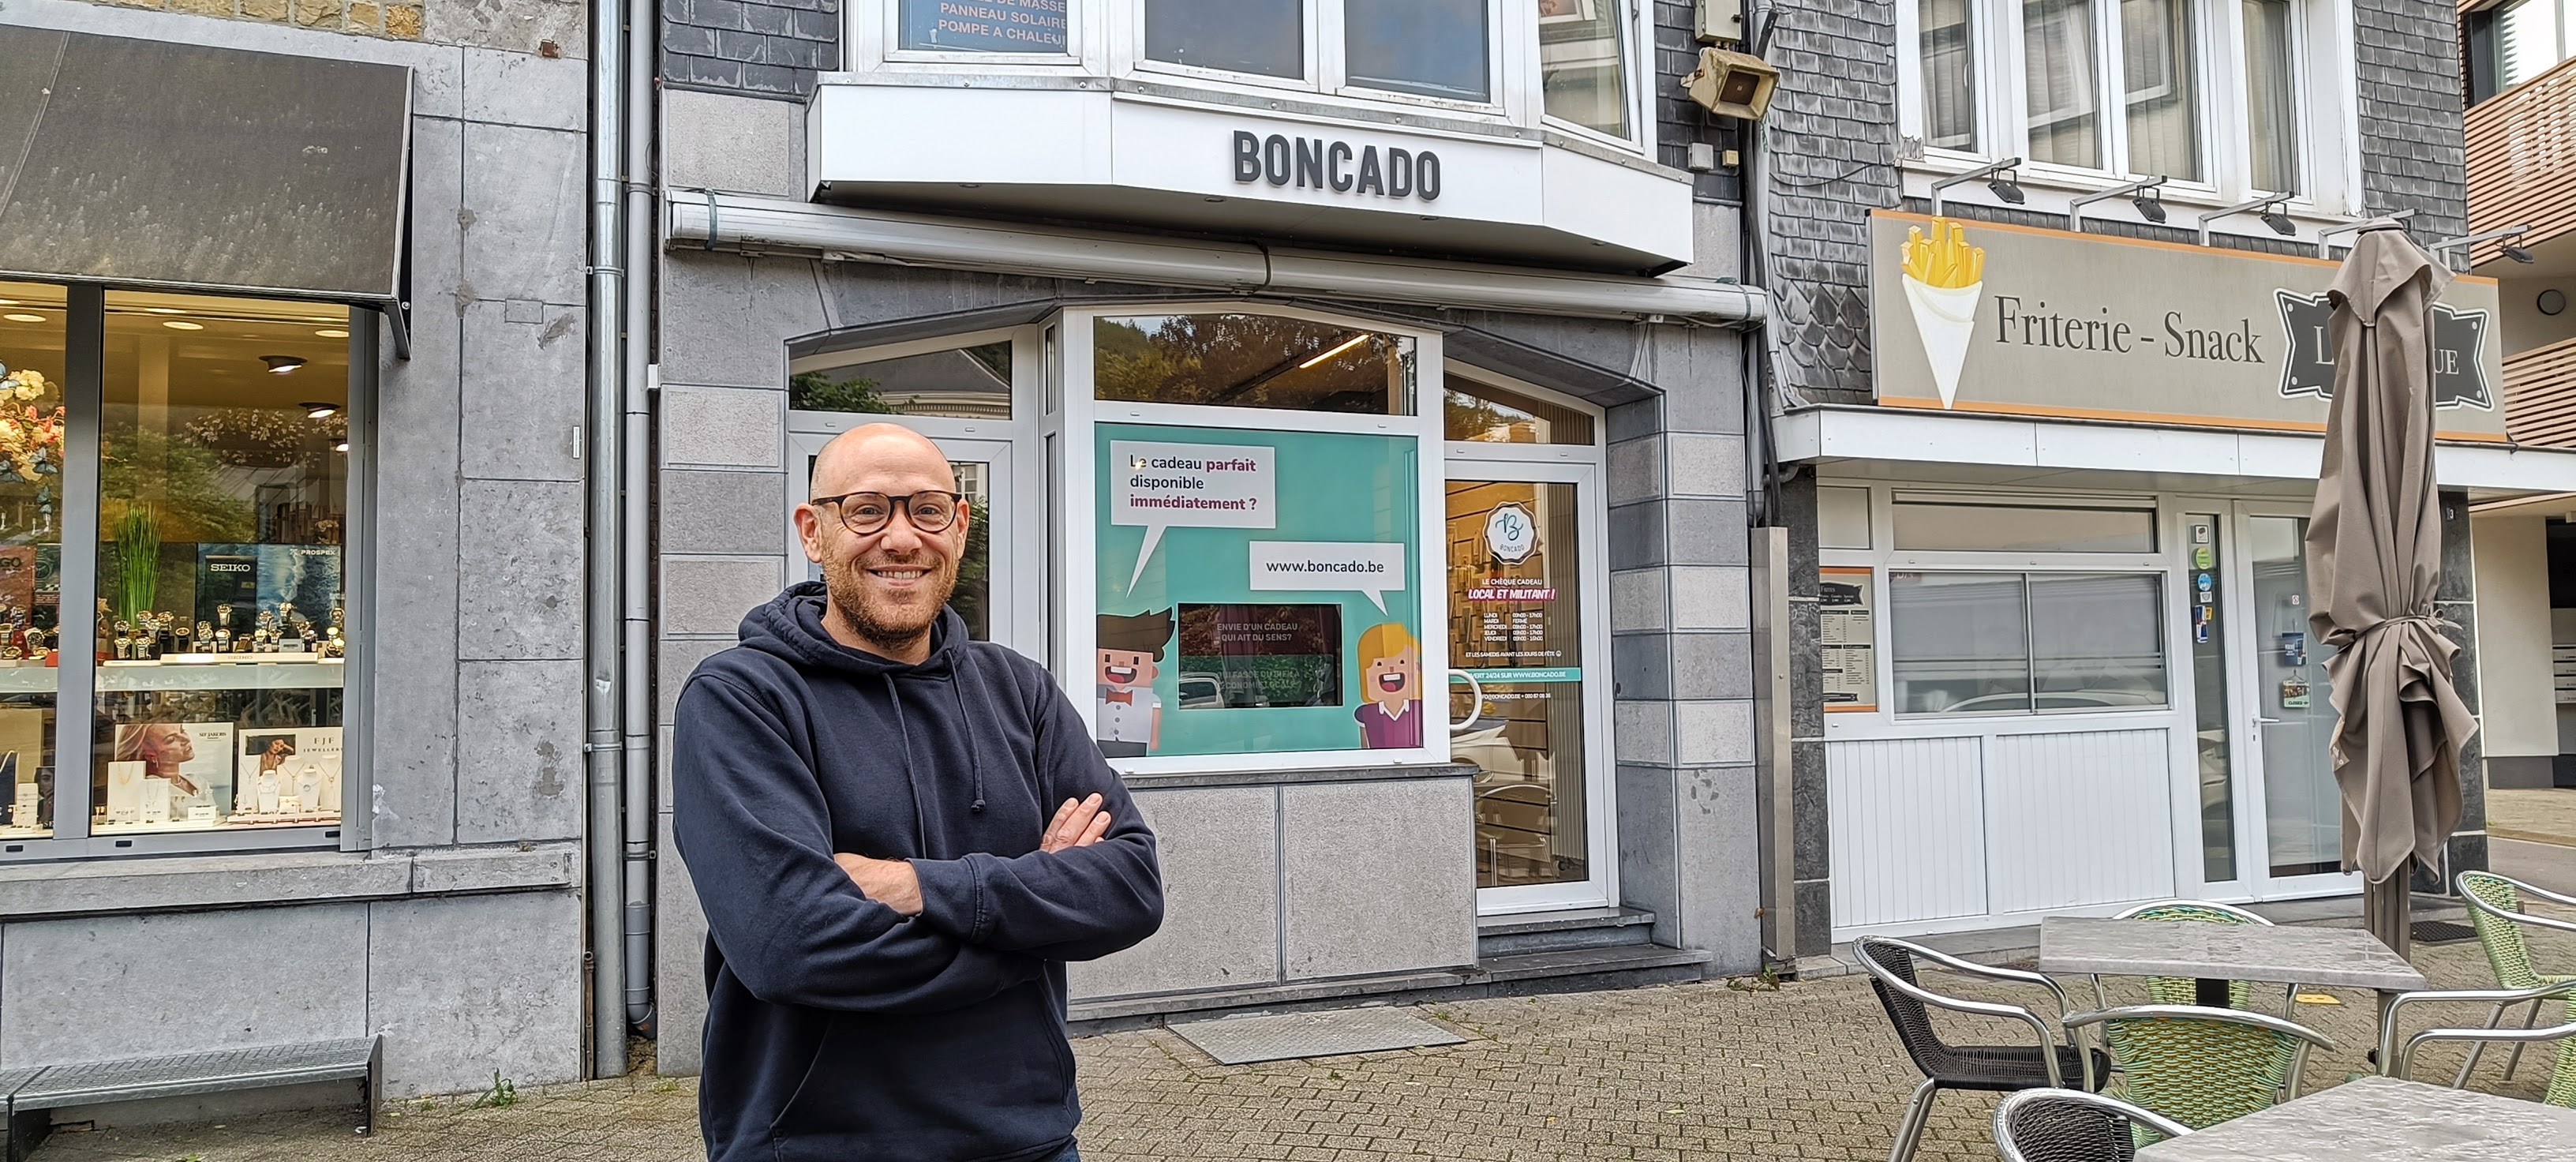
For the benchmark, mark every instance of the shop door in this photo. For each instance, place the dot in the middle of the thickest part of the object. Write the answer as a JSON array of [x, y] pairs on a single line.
[[1527, 705], [2293, 838], [995, 606]]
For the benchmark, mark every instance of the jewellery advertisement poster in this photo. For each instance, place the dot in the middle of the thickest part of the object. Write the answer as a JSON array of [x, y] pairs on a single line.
[[1237, 616]]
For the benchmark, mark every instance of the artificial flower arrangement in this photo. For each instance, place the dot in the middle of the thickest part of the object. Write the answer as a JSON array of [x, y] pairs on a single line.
[[31, 438]]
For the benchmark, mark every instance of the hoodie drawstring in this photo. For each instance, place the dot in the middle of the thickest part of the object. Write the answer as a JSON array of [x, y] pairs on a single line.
[[911, 777], [974, 753]]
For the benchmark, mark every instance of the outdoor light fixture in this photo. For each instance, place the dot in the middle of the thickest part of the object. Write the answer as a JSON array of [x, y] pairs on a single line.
[[1999, 177], [1732, 84], [2142, 194], [2508, 238], [282, 364], [320, 411], [2325, 243], [2270, 207]]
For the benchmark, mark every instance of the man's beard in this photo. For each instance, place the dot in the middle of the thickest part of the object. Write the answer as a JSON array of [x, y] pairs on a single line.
[[892, 632]]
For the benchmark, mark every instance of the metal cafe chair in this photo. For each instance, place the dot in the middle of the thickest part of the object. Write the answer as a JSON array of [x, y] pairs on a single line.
[[2202, 1066], [1893, 971], [2562, 1080], [2495, 910], [2176, 990], [2065, 1125]]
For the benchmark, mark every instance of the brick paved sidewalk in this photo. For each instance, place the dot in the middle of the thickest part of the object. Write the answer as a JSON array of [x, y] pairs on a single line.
[[1700, 1071]]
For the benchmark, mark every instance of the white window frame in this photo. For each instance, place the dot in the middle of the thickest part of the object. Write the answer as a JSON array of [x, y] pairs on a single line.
[[1076, 619], [1106, 39], [2324, 81]]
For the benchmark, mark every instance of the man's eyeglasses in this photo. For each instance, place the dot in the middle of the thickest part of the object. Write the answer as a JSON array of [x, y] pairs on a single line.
[[865, 513]]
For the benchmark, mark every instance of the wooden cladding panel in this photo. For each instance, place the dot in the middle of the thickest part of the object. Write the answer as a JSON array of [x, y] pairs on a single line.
[[2540, 395], [2522, 158]]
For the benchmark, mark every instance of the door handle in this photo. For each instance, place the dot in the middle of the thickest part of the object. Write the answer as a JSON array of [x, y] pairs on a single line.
[[2259, 720], [1476, 708]]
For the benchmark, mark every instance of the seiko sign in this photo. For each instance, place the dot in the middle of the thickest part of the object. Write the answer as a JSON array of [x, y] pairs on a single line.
[[1315, 163]]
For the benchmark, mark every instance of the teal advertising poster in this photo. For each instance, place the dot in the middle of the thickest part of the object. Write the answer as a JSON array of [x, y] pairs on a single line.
[[1257, 592]]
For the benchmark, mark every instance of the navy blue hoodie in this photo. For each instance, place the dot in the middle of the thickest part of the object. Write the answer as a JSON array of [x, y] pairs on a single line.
[[836, 1028]]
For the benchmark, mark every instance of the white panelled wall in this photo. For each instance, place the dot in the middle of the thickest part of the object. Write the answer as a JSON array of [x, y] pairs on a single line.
[[1927, 830]]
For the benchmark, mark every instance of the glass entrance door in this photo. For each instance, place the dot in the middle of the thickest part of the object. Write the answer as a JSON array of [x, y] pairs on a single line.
[[1522, 697], [2296, 837]]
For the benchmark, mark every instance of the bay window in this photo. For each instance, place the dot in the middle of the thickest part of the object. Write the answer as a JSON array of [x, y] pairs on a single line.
[[2210, 94], [1572, 65]]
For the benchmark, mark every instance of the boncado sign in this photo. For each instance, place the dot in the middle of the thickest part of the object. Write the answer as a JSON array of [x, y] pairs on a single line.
[[1979, 317], [1318, 163]]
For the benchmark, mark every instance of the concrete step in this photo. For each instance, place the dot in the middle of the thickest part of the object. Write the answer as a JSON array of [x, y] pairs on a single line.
[[1559, 931]]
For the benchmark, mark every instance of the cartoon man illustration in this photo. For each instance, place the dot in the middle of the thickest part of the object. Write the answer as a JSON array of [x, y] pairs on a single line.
[[1390, 712], [1130, 720]]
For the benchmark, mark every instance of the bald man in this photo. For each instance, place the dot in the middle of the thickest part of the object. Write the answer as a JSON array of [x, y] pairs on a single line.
[[900, 837]]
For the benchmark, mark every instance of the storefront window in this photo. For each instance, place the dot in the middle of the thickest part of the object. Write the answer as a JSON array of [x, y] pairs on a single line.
[[1253, 361], [1478, 413], [1516, 630], [1434, 48], [984, 26], [32, 338], [1241, 616], [1985, 643], [966, 382], [223, 502], [1264, 37], [1583, 63]]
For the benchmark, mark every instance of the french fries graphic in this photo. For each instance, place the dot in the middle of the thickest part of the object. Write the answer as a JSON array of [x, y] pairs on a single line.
[[1945, 259], [1944, 277]]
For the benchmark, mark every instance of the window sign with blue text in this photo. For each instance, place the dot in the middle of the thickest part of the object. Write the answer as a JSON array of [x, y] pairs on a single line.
[[985, 26]]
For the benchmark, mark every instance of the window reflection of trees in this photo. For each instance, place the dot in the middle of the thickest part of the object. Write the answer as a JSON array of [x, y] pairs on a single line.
[[1266, 361]]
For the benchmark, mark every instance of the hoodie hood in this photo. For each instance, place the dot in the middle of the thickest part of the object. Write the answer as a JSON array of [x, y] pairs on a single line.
[[790, 626]]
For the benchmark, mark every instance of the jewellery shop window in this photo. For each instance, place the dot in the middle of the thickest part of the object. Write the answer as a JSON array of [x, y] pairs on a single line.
[[32, 333], [223, 500]]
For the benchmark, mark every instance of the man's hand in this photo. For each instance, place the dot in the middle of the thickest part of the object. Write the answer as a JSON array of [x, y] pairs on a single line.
[[1079, 823], [890, 882]]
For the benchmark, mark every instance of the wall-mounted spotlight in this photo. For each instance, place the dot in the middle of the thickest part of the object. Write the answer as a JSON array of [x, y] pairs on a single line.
[[282, 364], [2325, 237], [2141, 193], [2508, 240], [1999, 178], [2269, 205]]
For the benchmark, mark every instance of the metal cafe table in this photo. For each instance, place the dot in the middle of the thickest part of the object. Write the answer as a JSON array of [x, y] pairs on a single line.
[[2214, 954], [2382, 1119]]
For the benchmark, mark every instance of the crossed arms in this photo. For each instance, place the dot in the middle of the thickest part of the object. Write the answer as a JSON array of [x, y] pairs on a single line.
[[798, 922]]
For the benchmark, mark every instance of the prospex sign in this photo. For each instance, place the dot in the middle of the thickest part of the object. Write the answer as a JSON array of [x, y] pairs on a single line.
[[1981, 317]]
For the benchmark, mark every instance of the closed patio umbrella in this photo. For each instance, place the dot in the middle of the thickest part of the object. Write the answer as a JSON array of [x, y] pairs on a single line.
[[2374, 551]]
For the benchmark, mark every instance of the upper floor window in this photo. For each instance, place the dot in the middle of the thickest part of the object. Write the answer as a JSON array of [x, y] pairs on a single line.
[[2120, 87], [1572, 63], [2531, 37]]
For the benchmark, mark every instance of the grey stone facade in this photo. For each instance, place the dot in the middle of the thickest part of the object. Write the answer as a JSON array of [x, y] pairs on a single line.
[[2408, 71], [1829, 157], [450, 922], [768, 48]]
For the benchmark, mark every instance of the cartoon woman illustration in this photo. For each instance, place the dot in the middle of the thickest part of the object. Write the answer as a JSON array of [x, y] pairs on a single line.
[[1390, 712]]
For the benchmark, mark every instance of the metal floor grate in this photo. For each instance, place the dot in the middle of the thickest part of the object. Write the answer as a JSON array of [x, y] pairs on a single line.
[[2442, 932], [1244, 1040]]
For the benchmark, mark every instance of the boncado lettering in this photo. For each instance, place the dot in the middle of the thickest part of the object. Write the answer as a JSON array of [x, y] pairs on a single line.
[[1319, 164]]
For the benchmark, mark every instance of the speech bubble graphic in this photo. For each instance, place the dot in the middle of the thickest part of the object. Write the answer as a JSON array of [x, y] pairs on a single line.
[[1370, 567], [1205, 486]]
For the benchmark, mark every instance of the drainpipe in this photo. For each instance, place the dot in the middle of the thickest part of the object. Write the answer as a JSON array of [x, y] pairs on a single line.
[[636, 677], [605, 833]]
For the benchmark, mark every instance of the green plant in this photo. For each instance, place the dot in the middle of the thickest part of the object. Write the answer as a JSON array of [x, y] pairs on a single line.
[[814, 391], [138, 560], [501, 1095]]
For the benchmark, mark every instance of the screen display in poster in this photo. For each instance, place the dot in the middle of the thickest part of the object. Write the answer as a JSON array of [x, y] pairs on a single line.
[[1846, 635], [1281, 619], [985, 26]]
